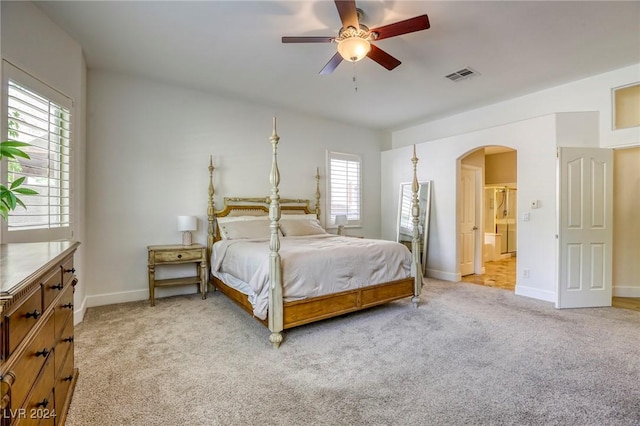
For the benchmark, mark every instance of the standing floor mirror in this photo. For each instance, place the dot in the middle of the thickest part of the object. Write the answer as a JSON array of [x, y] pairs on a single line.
[[405, 220]]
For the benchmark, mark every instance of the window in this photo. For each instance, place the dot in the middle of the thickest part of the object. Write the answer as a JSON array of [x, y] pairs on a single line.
[[344, 187], [626, 106], [40, 116]]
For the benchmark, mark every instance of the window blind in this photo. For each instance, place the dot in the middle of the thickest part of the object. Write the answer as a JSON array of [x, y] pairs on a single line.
[[345, 187], [45, 125]]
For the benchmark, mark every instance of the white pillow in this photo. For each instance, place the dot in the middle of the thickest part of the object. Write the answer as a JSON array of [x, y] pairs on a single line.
[[296, 228], [245, 229]]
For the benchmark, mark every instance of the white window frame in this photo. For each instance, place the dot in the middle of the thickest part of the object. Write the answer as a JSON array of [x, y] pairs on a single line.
[[354, 216], [52, 233]]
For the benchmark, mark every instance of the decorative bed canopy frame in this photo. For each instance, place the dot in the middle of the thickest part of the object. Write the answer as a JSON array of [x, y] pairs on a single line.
[[284, 315]]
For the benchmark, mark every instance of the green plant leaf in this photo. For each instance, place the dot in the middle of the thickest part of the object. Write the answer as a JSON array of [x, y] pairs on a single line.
[[11, 200], [13, 143], [25, 191], [8, 199], [19, 201], [14, 152], [10, 149], [16, 183]]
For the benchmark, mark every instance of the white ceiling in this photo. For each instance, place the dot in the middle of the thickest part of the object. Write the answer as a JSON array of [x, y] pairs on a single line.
[[234, 48]]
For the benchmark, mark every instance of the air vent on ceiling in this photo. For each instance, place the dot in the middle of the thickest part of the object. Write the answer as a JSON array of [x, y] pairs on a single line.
[[462, 74]]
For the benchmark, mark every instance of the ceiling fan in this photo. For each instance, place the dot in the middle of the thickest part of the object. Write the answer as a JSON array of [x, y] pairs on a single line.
[[354, 39]]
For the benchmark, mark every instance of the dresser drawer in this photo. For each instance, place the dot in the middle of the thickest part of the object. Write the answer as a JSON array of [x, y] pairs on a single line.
[[21, 318], [177, 256], [63, 309], [64, 345], [68, 270], [40, 407], [27, 368], [62, 382], [51, 287]]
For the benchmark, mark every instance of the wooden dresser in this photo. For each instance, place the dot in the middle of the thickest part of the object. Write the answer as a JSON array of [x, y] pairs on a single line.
[[37, 372]]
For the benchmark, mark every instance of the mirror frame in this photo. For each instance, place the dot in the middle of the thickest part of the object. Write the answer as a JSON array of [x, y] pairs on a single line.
[[425, 214]]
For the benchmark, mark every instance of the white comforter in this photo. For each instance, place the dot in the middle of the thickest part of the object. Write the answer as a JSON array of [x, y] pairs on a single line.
[[311, 265]]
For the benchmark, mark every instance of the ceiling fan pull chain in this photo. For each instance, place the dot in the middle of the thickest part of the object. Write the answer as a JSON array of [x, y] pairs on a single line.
[[355, 81]]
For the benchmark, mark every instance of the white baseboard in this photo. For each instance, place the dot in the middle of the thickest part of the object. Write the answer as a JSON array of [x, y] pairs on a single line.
[[78, 314], [629, 290], [535, 293], [113, 298], [134, 296], [443, 275]]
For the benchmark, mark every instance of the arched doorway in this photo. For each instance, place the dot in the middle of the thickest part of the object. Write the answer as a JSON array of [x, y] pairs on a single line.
[[487, 217]]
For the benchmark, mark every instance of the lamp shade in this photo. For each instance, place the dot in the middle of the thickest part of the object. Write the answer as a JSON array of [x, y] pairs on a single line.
[[187, 223], [353, 48], [341, 219]]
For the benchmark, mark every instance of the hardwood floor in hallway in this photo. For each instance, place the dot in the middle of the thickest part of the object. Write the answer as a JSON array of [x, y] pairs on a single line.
[[502, 274], [498, 273], [632, 303]]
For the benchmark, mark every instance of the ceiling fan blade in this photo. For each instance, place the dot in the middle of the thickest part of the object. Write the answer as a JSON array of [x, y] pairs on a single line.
[[348, 13], [331, 65], [418, 23], [383, 58], [310, 39]]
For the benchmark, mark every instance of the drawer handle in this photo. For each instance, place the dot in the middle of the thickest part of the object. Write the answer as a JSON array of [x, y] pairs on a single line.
[[68, 378], [43, 403], [57, 286], [35, 314], [68, 339], [179, 256], [72, 270], [67, 305], [43, 353]]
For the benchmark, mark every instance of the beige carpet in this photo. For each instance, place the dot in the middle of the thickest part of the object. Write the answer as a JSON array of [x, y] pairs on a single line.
[[468, 355]]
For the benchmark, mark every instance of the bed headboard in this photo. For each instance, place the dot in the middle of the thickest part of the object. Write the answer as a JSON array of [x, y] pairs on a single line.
[[258, 206], [238, 206]]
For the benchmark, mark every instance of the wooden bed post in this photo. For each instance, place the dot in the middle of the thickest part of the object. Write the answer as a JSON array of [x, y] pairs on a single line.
[[276, 307], [416, 268], [210, 219], [317, 193]]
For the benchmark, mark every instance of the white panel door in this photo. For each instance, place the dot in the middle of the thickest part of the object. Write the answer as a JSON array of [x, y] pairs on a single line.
[[585, 194], [467, 218]]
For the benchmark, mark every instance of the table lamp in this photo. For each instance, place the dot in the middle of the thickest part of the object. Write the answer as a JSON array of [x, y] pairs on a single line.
[[186, 224]]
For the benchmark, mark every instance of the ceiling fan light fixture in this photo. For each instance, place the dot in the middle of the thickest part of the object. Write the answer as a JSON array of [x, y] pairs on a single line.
[[353, 48]]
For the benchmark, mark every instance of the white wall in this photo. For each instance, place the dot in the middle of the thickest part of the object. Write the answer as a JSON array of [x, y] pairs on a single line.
[[586, 121], [535, 141], [33, 43], [590, 94], [147, 158]]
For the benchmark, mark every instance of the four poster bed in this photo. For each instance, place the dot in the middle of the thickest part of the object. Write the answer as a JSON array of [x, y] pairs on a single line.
[[271, 256]]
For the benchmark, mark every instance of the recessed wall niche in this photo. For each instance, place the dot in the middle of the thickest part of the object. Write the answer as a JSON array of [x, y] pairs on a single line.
[[626, 106]]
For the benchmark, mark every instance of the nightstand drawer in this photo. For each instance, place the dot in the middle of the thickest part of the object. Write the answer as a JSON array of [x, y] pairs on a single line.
[[177, 256]]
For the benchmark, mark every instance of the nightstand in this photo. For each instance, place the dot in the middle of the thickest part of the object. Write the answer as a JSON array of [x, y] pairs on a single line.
[[177, 254]]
